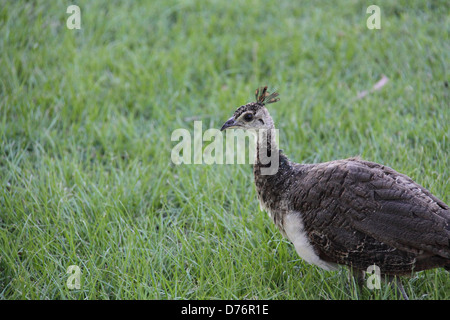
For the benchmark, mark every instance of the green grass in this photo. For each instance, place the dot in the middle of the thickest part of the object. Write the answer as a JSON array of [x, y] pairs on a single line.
[[86, 118]]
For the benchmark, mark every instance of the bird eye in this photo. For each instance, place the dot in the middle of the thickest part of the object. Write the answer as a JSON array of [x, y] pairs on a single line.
[[248, 117]]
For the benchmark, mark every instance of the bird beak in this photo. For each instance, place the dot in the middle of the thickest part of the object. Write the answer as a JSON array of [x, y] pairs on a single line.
[[229, 124]]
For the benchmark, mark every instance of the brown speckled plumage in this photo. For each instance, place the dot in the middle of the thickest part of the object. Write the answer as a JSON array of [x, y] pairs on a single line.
[[351, 212], [359, 213]]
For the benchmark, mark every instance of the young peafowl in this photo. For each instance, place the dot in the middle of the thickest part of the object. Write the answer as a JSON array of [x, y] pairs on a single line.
[[346, 212]]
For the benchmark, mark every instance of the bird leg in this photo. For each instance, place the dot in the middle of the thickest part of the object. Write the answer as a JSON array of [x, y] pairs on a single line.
[[397, 282], [356, 276]]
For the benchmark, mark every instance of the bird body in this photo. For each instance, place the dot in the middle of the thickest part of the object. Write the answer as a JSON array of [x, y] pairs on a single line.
[[357, 213], [347, 212]]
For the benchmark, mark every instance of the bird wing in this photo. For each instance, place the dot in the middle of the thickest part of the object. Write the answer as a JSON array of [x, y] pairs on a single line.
[[363, 207]]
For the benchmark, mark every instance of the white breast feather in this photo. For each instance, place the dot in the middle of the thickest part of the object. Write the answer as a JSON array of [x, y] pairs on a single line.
[[295, 232]]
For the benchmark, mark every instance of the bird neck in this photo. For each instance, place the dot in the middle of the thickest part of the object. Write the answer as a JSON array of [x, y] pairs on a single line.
[[272, 172], [269, 158]]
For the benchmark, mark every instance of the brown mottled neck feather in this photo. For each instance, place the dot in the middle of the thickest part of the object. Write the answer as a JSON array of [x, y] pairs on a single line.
[[272, 187]]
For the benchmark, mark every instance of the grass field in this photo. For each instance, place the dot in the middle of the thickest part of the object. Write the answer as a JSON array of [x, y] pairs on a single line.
[[86, 118]]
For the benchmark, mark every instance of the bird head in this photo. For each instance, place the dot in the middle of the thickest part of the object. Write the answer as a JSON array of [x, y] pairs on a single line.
[[253, 115]]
